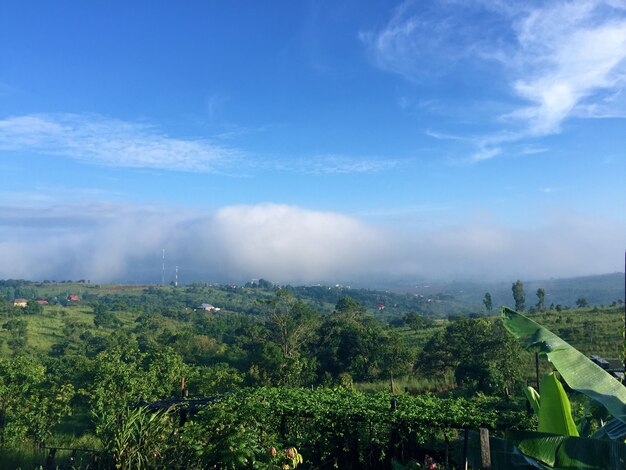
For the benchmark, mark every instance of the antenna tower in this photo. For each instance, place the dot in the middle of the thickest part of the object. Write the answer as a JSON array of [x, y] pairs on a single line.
[[176, 279]]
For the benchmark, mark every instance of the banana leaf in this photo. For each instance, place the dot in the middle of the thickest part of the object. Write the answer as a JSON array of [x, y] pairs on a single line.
[[567, 452], [614, 429], [576, 369], [555, 412], [533, 398]]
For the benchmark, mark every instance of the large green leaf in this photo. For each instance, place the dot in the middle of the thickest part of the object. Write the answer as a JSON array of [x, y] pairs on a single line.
[[533, 398], [614, 429], [576, 369], [555, 412], [566, 452]]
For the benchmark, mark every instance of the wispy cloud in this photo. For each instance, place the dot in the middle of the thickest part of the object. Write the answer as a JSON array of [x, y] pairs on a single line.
[[570, 54], [96, 139], [532, 150], [485, 154], [328, 164], [337, 164], [444, 136], [426, 39], [56, 195], [563, 59], [214, 103]]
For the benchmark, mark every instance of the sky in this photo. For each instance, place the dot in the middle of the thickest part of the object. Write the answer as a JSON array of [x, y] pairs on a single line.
[[310, 141]]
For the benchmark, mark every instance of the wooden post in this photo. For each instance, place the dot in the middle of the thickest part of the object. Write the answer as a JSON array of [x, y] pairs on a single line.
[[393, 450], [537, 371], [485, 452], [283, 426], [465, 445], [182, 415], [50, 459]]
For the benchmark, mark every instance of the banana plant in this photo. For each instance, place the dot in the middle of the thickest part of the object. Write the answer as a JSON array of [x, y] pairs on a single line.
[[552, 407], [556, 444], [578, 371]]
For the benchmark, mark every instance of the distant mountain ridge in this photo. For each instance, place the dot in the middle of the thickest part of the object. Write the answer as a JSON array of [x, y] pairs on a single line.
[[602, 289]]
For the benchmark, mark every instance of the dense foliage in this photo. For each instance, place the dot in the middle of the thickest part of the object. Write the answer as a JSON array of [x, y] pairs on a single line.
[[282, 367], [328, 426]]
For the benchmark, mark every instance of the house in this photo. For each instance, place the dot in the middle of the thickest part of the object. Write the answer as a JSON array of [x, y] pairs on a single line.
[[380, 306], [208, 308], [73, 298], [20, 303], [42, 302]]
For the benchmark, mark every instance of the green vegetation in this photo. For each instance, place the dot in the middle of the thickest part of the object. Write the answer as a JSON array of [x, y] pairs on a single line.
[[518, 295], [286, 369], [557, 444]]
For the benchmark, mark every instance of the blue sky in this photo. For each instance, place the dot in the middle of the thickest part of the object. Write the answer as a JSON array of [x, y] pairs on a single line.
[[312, 141]]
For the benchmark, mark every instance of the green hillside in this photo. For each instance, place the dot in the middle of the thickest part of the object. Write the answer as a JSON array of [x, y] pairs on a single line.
[[93, 352]]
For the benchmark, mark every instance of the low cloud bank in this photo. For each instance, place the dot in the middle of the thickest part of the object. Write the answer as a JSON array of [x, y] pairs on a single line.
[[288, 244]]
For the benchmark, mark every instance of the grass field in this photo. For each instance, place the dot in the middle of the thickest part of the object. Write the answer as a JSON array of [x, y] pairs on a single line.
[[590, 330]]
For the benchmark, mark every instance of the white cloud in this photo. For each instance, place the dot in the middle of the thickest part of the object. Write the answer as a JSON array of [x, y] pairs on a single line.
[[563, 59], [286, 242], [486, 154], [338, 164], [107, 242], [96, 139], [568, 52], [426, 39]]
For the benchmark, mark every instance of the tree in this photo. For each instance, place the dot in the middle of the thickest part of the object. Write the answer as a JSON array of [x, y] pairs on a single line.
[[103, 317], [518, 295], [349, 305], [581, 302], [18, 329], [415, 321], [541, 296], [291, 322], [481, 354], [398, 357], [353, 342], [30, 403], [122, 376], [33, 308], [488, 302], [278, 350]]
